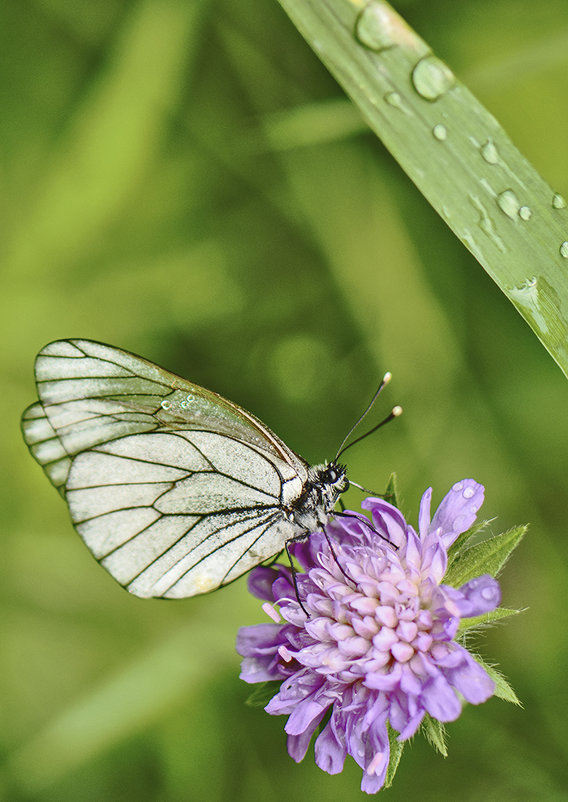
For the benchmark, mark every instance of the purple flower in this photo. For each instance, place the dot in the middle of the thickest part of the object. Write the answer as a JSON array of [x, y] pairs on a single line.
[[377, 644]]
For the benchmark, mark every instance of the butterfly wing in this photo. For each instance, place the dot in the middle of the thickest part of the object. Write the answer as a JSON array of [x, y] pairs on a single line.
[[174, 489]]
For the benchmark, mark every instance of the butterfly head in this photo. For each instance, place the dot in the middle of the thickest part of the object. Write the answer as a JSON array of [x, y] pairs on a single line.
[[333, 477], [326, 482]]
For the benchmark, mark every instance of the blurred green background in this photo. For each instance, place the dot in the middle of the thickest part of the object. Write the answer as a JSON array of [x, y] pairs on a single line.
[[184, 179]]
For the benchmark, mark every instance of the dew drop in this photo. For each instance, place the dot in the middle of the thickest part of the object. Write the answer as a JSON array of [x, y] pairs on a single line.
[[489, 152], [373, 28], [558, 202], [527, 289], [458, 523], [440, 132], [432, 78], [525, 213], [564, 249], [166, 404], [187, 401], [469, 492], [457, 486], [509, 203], [394, 99], [488, 593]]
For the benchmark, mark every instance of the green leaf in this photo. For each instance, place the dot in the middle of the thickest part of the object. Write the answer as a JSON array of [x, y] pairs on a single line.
[[502, 688], [396, 750], [487, 557], [455, 152], [435, 733], [479, 621], [459, 546], [391, 492], [263, 693]]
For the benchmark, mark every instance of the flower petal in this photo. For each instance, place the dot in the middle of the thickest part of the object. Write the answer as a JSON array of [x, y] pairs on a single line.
[[387, 519], [259, 640], [412, 553], [458, 510], [472, 681], [298, 744], [479, 595], [305, 713], [440, 699], [330, 751], [424, 514], [260, 582]]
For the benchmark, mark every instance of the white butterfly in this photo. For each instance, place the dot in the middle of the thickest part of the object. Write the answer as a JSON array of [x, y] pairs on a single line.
[[175, 490]]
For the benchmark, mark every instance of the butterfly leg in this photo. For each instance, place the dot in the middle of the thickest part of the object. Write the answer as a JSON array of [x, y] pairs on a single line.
[[298, 539], [335, 557]]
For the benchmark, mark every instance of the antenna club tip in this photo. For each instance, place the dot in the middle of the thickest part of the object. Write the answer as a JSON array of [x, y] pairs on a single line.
[[397, 411], [387, 377]]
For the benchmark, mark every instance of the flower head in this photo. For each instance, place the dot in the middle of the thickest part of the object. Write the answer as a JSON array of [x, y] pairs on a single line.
[[372, 642]]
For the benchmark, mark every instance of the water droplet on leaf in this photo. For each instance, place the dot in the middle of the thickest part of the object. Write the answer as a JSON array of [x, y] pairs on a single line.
[[525, 213], [166, 404], [440, 132], [372, 28], [564, 249], [489, 152], [432, 78], [394, 99], [509, 203], [558, 202]]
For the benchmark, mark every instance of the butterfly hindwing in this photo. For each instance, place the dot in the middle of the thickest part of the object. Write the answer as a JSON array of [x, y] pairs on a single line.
[[174, 489]]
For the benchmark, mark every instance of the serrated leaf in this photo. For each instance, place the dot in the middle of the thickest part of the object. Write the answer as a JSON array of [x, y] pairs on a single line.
[[502, 688], [396, 750], [263, 693], [459, 546], [487, 557], [435, 733], [480, 621]]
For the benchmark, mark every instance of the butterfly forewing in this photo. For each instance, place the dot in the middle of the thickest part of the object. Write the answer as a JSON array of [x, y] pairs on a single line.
[[174, 489]]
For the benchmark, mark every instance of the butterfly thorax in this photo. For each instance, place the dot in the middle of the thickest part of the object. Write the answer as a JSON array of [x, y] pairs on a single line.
[[314, 507]]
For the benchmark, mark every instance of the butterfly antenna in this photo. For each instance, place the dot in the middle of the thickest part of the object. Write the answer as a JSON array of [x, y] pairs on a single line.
[[384, 381], [395, 412]]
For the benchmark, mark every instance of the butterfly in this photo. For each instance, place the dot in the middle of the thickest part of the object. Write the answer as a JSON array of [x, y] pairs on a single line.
[[175, 490]]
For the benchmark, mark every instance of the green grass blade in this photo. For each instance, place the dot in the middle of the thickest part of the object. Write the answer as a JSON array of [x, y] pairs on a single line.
[[454, 150]]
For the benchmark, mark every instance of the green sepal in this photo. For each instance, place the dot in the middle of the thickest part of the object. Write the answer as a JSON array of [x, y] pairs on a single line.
[[391, 491], [396, 750], [487, 557], [435, 733], [263, 693]]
